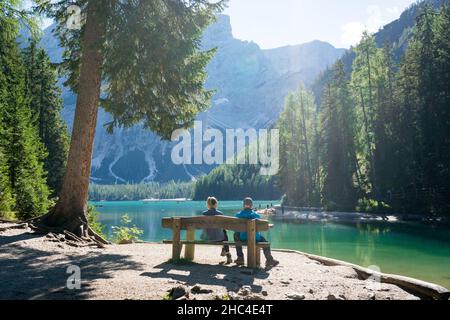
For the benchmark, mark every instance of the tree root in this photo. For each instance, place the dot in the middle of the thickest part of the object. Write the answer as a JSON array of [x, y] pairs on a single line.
[[16, 226], [87, 238], [97, 237], [76, 234]]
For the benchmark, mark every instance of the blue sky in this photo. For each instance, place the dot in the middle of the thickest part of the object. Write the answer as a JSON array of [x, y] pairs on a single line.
[[275, 23]]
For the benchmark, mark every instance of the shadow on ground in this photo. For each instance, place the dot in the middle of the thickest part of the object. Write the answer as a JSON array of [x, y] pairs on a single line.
[[232, 278], [27, 273]]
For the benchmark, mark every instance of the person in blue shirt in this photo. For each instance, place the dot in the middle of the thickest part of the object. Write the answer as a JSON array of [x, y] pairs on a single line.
[[250, 214], [216, 234]]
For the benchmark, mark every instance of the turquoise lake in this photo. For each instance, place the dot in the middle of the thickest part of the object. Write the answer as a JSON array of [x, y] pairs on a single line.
[[414, 250]]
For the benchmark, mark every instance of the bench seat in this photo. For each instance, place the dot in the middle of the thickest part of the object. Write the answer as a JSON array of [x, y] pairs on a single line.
[[216, 243], [191, 224]]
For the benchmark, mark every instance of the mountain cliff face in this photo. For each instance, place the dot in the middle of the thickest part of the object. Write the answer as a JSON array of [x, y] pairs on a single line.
[[250, 85]]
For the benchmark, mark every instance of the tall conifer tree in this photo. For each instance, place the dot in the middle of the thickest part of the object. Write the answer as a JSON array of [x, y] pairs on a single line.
[[22, 148], [46, 105]]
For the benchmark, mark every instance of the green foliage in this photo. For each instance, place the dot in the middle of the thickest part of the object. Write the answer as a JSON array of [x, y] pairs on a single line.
[[364, 77], [46, 105], [167, 297], [6, 198], [226, 297], [126, 233], [33, 138], [22, 148], [92, 217], [422, 128], [153, 190], [384, 130], [152, 59], [372, 206], [299, 167], [13, 16], [338, 148], [232, 182]]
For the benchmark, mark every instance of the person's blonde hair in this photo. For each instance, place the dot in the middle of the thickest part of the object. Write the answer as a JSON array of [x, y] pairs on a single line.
[[212, 202]]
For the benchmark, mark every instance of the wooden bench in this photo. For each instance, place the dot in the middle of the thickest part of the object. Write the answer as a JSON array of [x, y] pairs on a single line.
[[191, 224]]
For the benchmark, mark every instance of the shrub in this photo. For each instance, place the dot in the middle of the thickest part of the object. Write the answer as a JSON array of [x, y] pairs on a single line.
[[92, 216], [126, 233], [372, 206]]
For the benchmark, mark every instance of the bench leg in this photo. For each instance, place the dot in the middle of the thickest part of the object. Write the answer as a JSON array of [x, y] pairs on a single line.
[[251, 244], [189, 251], [176, 245], [258, 256]]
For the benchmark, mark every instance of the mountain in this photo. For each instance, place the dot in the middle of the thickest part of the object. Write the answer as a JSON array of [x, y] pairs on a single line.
[[250, 85]]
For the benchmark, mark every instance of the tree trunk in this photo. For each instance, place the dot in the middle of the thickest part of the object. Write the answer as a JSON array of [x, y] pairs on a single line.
[[308, 158], [71, 209]]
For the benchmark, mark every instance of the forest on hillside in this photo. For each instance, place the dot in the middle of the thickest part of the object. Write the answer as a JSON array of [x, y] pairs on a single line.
[[380, 138], [233, 182], [136, 192]]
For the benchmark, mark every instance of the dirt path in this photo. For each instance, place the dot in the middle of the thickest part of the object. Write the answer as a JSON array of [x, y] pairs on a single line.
[[32, 267]]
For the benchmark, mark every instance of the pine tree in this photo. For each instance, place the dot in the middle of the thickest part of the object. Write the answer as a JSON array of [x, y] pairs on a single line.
[[22, 148], [46, 105], [363, 86], [442, 111], [416, 94], [6, 198], [299, 166], [385, 151], [26, 155], [339, 159], [148, 52]]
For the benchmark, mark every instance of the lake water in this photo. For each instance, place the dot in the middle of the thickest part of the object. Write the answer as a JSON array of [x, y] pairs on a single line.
[[413, 250]]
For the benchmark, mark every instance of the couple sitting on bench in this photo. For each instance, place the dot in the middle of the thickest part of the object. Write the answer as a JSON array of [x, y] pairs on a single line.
[[221, 235]]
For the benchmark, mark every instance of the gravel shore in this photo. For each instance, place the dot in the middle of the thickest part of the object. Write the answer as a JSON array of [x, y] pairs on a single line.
[[35, 267]]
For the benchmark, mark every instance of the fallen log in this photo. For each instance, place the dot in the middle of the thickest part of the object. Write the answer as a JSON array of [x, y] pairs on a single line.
[[422, 289]]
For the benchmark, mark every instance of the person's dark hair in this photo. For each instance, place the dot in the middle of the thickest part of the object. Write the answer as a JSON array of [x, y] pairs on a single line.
[[211, 201]]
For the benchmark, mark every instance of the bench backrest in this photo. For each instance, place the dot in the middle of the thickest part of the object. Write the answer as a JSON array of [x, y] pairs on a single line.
[[215, 222]]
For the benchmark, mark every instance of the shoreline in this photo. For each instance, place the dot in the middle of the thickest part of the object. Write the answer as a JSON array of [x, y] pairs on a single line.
[[141, 271], [320, 214], [419, 287]]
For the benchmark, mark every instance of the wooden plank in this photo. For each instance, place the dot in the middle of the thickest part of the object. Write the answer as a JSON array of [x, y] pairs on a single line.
[[176, 245], [215, 222], [189, 250], [251, 243], [215, 243], [258, 255]]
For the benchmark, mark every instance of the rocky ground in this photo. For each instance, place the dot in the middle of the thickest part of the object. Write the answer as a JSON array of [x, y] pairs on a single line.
[[36, 267]]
